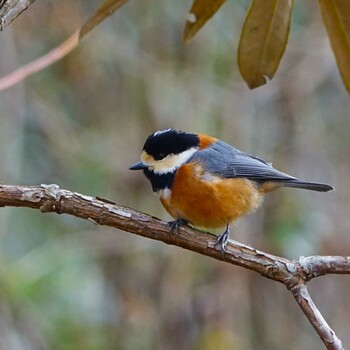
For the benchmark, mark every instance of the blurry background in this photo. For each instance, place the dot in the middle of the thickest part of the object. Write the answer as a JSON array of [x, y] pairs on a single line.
[[67, 284]]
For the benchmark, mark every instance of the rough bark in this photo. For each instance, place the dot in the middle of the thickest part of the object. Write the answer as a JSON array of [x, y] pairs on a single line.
[[10, 9]]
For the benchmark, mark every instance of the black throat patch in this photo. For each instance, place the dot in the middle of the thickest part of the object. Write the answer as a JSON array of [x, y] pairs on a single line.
[[160, 182]]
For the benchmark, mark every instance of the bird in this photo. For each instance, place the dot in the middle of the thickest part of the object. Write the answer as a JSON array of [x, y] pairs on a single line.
[[207, 183]]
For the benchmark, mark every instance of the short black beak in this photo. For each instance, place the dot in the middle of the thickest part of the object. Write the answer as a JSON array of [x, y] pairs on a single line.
[[138, 166]]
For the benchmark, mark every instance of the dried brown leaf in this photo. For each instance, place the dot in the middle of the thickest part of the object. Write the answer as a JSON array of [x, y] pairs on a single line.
[[336, 16], [263, 40], [201, 11], [106, 10]]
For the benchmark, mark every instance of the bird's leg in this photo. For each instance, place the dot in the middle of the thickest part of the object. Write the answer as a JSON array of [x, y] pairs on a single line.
[[223, 239], [175, 225]]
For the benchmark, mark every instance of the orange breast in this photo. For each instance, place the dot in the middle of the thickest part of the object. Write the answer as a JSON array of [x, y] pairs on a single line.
[[209, 201]]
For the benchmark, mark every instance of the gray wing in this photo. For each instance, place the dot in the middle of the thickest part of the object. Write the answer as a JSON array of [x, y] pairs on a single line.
[[226, 161]]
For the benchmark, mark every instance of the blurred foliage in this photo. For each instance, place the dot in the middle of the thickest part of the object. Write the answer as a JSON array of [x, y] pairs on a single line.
[[68, 284], [261, 46]]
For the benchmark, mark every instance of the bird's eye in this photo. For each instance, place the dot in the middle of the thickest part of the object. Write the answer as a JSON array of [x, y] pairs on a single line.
[[161, 156]]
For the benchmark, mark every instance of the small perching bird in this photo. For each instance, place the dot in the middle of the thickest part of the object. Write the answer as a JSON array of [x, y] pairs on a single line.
[[208, 183]]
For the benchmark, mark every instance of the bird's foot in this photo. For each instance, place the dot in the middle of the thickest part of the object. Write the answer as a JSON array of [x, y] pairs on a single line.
[[175, 225], [222, 240]]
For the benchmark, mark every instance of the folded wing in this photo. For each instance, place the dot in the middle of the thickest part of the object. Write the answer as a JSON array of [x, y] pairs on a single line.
[[226, 161]]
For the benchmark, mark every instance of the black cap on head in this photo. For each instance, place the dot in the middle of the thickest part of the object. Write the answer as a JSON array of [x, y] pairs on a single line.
[[169, 141]]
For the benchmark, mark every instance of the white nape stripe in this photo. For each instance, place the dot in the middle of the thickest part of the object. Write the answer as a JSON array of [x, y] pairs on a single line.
[[173, 161], [159, 132]]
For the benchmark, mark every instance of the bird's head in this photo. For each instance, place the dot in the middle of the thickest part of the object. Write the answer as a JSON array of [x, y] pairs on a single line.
[[166, 150]]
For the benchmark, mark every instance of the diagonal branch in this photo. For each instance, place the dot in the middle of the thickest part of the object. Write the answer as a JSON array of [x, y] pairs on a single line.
[[10, 9], [303, 298], [292, 273]]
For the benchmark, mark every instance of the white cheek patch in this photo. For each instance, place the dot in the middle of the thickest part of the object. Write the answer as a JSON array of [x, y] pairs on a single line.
[[173, 161]]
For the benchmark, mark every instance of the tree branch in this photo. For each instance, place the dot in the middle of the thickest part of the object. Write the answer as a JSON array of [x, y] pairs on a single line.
[[10, 9], [292, 273], [303, 298]]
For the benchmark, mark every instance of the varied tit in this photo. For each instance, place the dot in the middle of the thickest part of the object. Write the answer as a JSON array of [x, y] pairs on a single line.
[[207, 183]]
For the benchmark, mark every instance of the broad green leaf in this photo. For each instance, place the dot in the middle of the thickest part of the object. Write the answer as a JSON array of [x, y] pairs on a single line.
[[336, 16], [201, 11], [263, 40]]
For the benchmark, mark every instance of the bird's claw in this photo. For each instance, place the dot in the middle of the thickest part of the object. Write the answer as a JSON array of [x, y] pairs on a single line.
[[175, 225], [222, 240]]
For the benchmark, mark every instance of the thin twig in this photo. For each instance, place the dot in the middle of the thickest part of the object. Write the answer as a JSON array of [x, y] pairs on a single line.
[[107, 8], [42, 62], [292, 273]]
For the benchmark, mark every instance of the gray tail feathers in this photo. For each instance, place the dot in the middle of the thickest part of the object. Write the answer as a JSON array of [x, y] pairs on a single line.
[[312, 186]]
